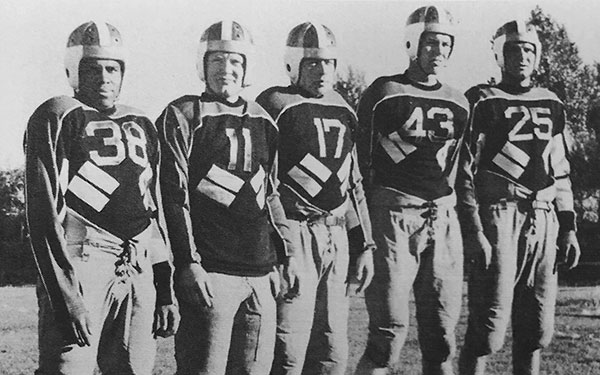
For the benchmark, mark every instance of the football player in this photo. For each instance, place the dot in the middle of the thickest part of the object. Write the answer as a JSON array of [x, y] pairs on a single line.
[[92, 198], [320, 182], [219, 191], [409, 135], [515, 202]]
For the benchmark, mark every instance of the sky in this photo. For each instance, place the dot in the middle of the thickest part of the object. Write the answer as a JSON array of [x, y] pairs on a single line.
[[162, 39]]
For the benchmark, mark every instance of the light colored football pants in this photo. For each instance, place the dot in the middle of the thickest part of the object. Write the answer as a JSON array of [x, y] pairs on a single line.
[[234, 336], [419, 246], [121, 308], [521, 279], [312, 328]]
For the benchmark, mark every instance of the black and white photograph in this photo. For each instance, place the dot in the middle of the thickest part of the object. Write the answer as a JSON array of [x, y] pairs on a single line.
[[300, 187]]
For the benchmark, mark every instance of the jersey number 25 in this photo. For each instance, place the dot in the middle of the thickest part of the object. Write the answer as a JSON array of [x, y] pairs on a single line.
[[539, 117]]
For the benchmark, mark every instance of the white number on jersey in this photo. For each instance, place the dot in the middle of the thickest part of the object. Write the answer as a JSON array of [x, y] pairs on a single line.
[[326, 125], [539, 116], [136, 141], [446, 124], [413, 127], [233, 150], [144, 185]]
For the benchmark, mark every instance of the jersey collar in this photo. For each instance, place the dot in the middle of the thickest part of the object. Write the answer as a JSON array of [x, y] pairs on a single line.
[[405, 79], [210, 97], [513, 89]]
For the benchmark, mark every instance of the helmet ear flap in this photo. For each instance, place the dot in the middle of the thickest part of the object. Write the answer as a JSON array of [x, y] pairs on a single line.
[[308, 40], [427, 19], [515, 31], [99, 40], [226, 36]]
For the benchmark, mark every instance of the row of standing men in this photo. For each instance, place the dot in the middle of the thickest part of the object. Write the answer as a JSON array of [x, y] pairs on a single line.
[[263, 207]]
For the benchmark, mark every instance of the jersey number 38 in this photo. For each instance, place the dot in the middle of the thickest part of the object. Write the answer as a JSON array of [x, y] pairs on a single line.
[[116, 144]]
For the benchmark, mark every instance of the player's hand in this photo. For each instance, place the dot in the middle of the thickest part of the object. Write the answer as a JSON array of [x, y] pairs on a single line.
[[364, 270], [477, 247], [166, 320], [291, 277], [81, 324], [568, 250], [193, 284], [275, 282]]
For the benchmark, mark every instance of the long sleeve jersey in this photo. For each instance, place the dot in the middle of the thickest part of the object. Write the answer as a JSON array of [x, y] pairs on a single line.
[[318, 168], [97, 166], [516, 141], [219, 181], [409, 135]]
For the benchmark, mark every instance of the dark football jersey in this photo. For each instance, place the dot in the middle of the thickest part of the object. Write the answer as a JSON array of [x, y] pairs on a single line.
[[216, 166], [98, 166], [515, 132], [515, 149], [105, 164], [316, 143], [409, 134]]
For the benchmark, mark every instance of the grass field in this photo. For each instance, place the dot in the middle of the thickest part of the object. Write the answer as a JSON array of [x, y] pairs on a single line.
[[575, 349]]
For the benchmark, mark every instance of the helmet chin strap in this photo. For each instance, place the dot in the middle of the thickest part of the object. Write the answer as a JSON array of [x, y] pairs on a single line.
[[419, 70], [513, 80], [420, 67], [416, 62]]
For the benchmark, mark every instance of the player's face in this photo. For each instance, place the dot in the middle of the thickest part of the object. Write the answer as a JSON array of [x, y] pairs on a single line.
[[317, 76], [99, 82], [519, 60], [434, 51], [225, 74]]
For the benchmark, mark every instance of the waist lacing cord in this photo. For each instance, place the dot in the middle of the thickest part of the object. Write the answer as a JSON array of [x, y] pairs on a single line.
[[531, 215], [430, 215], [127, 261], [529, 268]]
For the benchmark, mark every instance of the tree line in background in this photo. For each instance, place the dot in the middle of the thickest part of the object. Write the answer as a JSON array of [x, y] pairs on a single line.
[[16, 260], [577, 85], [561, 70]]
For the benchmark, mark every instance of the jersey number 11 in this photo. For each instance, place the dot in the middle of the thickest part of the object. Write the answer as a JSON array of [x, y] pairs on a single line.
[[233, 149]]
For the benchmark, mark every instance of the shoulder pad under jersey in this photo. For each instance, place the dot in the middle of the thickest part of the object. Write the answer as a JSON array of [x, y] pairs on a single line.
[[255, 110], [60, 105], [545, 93], [399, 85], [274, 99], [384, 82], [49, 115], [482, 92], [125, 110], [475, 93], [380, 81], [186, 104], [454, 95], [335, 98]]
